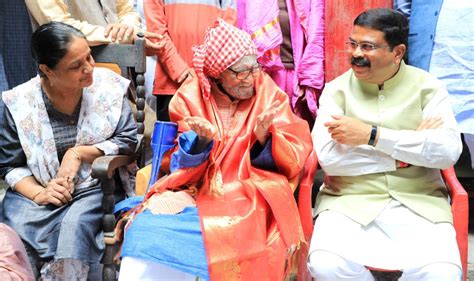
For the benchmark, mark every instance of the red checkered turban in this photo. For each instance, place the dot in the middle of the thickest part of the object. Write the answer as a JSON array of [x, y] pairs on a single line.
[[224, 44]]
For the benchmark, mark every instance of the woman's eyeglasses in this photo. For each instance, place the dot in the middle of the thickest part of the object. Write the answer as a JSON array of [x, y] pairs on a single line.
[[242, 75], [364, 47]]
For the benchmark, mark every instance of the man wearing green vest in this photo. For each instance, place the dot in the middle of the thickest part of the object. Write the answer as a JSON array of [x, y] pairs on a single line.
[[384, 130]]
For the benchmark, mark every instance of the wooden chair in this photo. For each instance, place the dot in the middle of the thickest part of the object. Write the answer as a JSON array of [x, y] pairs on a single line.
[[127, 57]]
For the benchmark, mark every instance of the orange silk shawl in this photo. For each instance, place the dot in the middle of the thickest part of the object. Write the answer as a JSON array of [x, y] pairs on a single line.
[[250, 221]]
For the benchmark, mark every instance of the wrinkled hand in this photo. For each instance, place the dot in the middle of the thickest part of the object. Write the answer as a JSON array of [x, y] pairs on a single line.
[[264, 121], [203, 128], [56, 192], [119, 33], [348, 130], [430, 123]]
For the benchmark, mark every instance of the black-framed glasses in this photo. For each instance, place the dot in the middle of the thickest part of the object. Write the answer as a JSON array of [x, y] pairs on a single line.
[[242, 75], [364, 46]]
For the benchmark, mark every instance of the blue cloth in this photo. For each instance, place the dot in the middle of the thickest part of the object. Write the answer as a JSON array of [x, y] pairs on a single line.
[[452, 58], [260, 156], [440, 42], [183, 158], [403, 6], [172, 240], [15, 42], [73, 230], [423, 21], [128, 204], [3, 77]]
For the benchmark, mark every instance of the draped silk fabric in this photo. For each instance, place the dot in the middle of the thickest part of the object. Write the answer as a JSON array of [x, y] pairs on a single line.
[[249, 218]]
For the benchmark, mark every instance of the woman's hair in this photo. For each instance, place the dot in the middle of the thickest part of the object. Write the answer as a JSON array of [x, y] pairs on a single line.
[[392, 23], [51, 41]]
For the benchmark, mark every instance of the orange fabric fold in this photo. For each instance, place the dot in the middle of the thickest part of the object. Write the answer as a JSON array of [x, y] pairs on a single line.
[[249, 217]]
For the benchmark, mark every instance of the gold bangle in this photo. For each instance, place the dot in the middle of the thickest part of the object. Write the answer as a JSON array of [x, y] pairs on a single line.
[[78, 156], [36, 195]]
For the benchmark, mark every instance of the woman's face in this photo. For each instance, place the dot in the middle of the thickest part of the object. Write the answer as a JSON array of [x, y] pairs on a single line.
[[75, 69], [238, 80]]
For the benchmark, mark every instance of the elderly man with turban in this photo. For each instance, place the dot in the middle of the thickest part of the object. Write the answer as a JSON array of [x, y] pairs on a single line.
[[227, 211]]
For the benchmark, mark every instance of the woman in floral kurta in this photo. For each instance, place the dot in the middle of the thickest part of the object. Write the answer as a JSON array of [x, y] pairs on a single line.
[[53, 127]]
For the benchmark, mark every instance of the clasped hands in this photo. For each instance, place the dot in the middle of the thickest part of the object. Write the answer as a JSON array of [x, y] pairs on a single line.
[[206, 131], [60, 189]]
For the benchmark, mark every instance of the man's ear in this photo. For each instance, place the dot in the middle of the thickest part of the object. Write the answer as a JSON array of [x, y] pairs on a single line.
[[400, 51]]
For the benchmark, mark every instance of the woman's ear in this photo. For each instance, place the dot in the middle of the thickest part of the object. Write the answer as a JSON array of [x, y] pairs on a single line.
[[45, 70], [400, 51]]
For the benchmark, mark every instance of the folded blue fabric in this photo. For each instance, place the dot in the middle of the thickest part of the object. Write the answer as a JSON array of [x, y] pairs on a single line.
[[128, 204], [172, 240]]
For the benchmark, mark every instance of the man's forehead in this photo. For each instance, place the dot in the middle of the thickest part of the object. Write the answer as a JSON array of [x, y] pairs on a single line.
[[245, 61], [368, 33]]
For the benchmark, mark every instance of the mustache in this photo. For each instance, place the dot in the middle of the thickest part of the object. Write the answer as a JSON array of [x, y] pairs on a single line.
[[360, 61]]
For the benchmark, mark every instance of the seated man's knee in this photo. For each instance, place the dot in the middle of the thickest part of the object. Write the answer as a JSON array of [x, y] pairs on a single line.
[[433, 272], [325, 265]]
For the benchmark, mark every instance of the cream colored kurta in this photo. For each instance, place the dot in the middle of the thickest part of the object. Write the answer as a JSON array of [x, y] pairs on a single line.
[[366, 193], [91, 17]]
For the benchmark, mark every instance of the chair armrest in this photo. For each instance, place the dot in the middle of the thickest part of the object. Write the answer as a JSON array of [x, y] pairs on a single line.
[[104, 166], [460, 210], [454, 186], [305, 207]]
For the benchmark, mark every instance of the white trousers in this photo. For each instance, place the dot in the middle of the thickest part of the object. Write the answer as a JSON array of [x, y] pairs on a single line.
[[134, 269], [326, 266]]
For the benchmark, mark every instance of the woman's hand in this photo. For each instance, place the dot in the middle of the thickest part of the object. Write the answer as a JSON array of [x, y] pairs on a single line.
[[69, 168], [264, 121], [57, 192]]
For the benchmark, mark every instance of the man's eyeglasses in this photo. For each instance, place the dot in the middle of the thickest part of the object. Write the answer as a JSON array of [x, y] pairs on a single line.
[[364, 47], [242, 75]]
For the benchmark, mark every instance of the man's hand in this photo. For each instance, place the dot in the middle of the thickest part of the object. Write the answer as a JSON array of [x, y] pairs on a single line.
[[430, 123], [119, 33], [204, 129], [56, 193], [348, 130], [153, 41], [264, 121]]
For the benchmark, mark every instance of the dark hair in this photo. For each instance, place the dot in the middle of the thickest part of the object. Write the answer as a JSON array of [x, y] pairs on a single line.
[[392, 23], [51, 41]]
